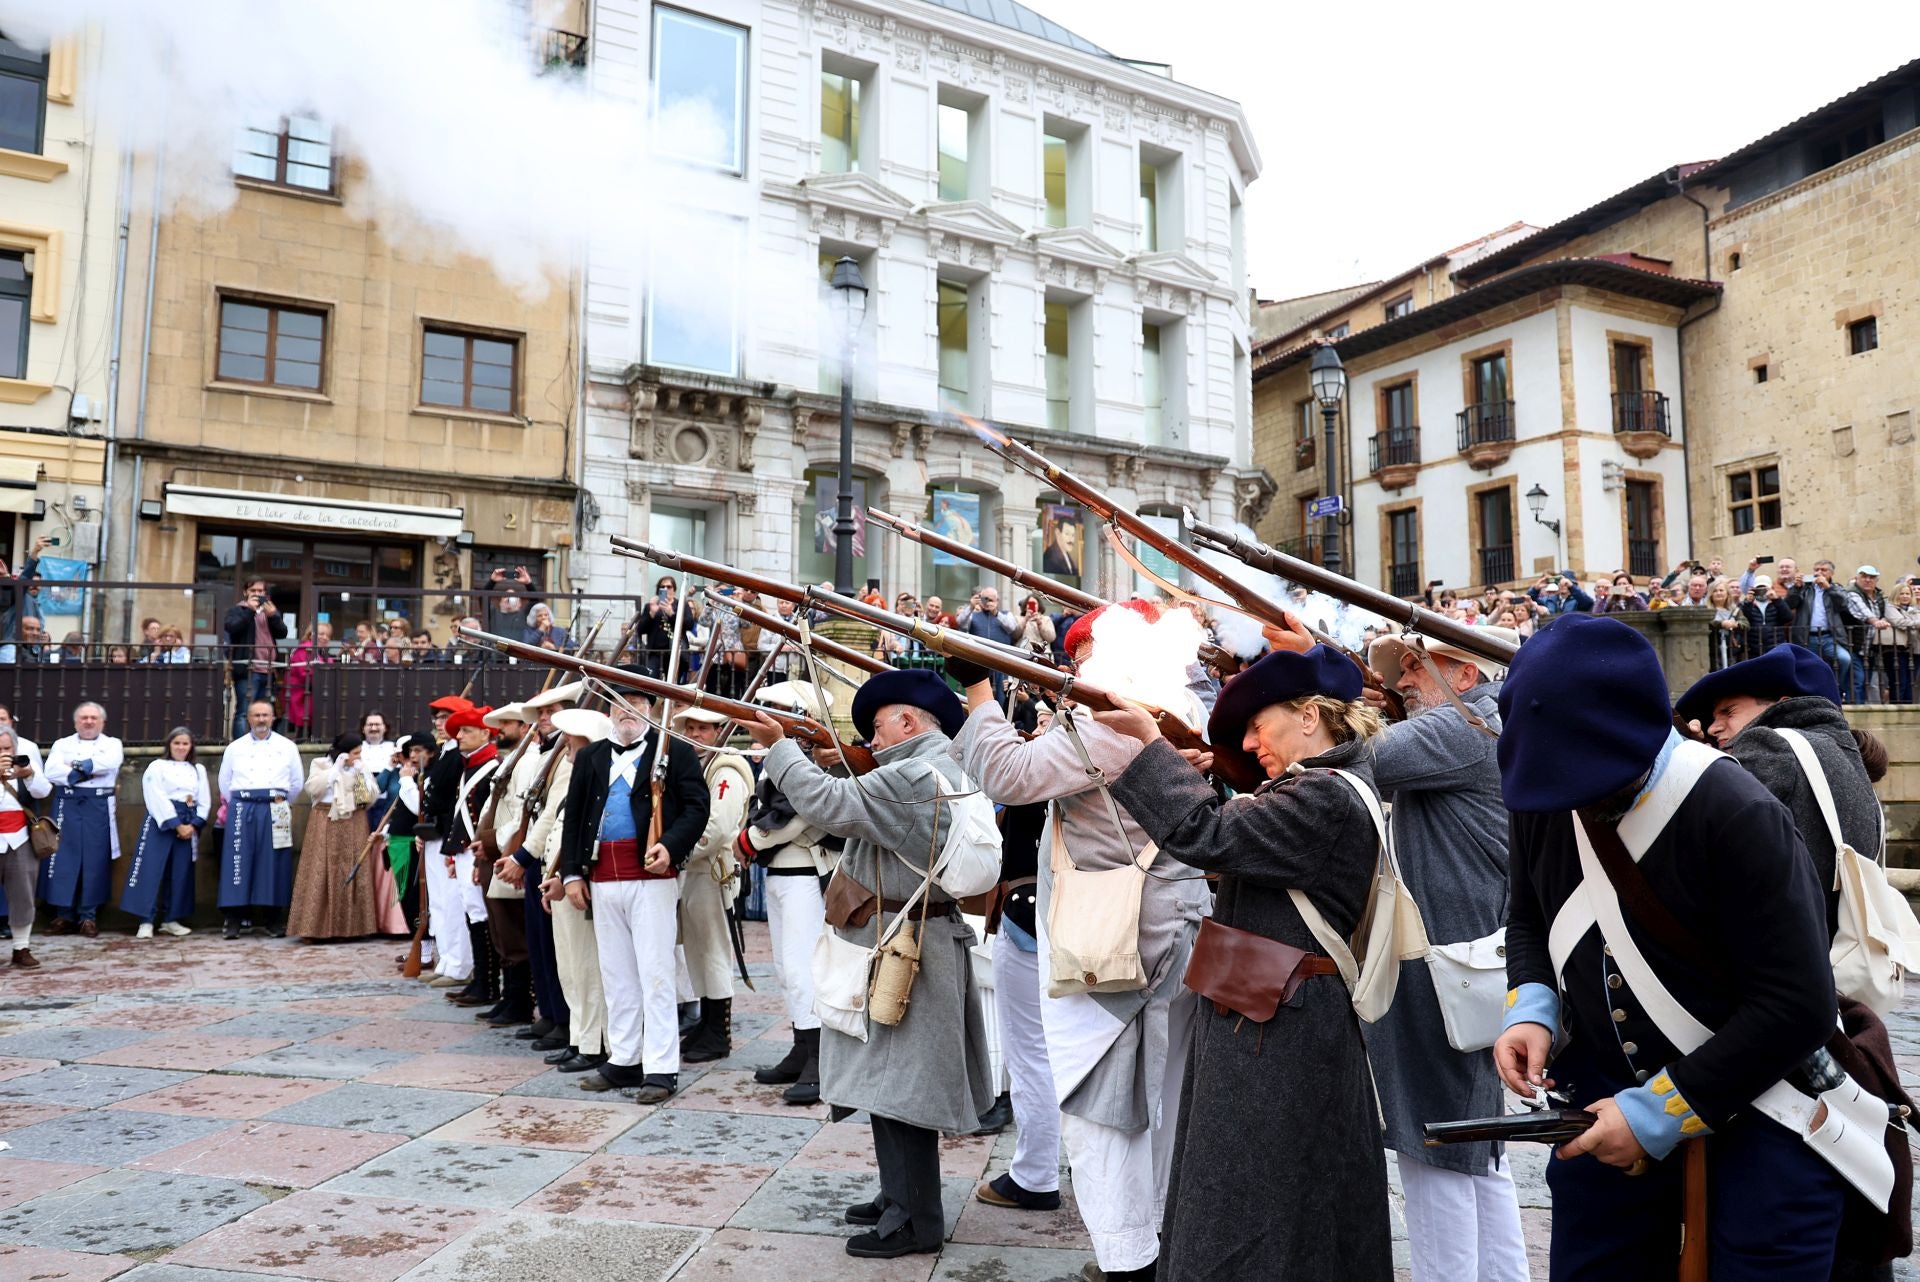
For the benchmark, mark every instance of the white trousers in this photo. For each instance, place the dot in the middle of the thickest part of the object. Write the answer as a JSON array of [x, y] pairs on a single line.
[[703, 929], [1023, 1049], [633, 923], [1120, 1177], [473, 898], [1463, 1228], [796, 914], [446, 915], [576, 956]]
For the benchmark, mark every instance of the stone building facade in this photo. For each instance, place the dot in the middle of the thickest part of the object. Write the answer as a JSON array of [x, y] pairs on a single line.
[[1052, 238]]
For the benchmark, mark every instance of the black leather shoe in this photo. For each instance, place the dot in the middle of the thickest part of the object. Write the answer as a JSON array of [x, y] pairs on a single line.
[[610, 1077], [581, 1063], [492, 1012], [232, 931], [996, 1119], [509, 1018], [871, 1246], [786, 1072], [539, 1028], [553, 1042], [561, 1055], [864, 1212]]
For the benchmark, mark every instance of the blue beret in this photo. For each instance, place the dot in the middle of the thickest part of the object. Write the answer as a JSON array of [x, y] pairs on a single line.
[[1278, 677], [1781, 673], [1583, 712], [916, 687]]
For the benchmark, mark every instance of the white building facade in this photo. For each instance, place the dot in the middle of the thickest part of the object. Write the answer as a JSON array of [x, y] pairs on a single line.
[[1052, 239]]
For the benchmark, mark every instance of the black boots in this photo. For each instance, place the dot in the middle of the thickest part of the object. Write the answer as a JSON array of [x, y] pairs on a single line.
[[713, 1037], [516, 996], [484, 988], [806, 1088], [787, 1071]]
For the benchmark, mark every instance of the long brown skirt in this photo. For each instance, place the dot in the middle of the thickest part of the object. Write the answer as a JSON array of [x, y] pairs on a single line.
[[324, 905]]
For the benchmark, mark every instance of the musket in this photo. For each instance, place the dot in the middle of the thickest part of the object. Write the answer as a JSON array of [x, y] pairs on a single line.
[[822, 646], [503, 777], [805, 729], [1256, 606], [824, 599], [1414, 618], [526, 808], [1085, 602], [734, 934], [657, 776]]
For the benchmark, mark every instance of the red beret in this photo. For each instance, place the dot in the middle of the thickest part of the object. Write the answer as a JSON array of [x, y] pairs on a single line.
[[1081, 633], [450, 703], [469, 716]]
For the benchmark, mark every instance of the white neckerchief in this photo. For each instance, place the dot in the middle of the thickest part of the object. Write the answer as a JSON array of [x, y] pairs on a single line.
[[626, 761]]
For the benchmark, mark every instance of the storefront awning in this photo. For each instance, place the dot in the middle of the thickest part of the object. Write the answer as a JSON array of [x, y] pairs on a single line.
[[332, 514], [19, 477]]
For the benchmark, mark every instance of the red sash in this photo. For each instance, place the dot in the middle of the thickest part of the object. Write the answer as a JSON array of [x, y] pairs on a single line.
[[13, 821]]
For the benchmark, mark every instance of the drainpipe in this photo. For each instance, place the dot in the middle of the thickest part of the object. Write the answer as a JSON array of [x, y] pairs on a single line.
[[122, 221], [1680, 350], [146, 360]]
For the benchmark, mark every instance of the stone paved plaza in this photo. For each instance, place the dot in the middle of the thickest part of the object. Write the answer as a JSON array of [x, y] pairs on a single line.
[[202, 1111]]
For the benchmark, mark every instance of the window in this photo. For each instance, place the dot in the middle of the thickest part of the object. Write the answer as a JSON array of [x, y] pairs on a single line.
[[961, 145], [1629, 368], [955, 365], [294, 152], [1863, 335], [953, 153], [1733, 261], [16, 304], [699, 89], [1400, 306], [1309, 417], [1149, 207], [1493, 509], [23, 97], [1759, 373], [1753, 498], [1850, 139], [1643, 539], [1396, 408], [839, 123], [1159, 203], [1059, 364], [1403, 551], [271, 345], [470, 371], [1338, 332], [1153, 394], [1053, 178], [1490, 380], [693, 319]]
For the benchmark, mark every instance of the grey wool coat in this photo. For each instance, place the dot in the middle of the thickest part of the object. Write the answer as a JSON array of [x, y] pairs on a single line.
[[931, 1068], [1767, 758], [1278, 1171], [1450, 837]]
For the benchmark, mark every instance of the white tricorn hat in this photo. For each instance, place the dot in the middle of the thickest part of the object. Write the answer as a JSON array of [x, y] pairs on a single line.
[[1387, 655], [499, 717], [798, 696], [589, 723], [568, 693], [701, 714]]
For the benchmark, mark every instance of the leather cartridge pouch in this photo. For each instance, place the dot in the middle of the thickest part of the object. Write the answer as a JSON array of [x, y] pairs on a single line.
[[1249, 974], [849, 904]]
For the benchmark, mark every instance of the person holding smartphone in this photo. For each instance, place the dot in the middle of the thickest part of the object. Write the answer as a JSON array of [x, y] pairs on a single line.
[[254, 627], [18, 867], [16, 603]]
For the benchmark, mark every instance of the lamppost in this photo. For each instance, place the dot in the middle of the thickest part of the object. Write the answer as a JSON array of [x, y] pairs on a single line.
[[850, 303], [1329, 379], [1536, 502]]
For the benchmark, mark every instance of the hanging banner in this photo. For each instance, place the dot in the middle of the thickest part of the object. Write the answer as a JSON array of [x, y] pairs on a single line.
[[956, 514], [1063, 540]]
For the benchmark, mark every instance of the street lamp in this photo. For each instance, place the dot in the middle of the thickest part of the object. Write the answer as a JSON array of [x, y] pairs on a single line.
[[1329, 380], [1536, 502], [850, 304]]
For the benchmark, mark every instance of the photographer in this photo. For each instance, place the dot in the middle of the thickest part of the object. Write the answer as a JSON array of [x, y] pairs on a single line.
[[16, 602], [254, 629], [654, 635], [18, 866], [507, 615], [1559, 594], [1036, 631]]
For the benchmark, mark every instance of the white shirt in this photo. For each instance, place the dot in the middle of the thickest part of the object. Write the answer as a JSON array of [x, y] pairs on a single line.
[[25, 747], [251, 765], [104, 751], [166, 781], [35, 785], [626, 761], [375, 757]]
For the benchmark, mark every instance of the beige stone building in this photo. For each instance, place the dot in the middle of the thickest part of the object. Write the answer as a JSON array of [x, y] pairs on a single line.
[[350, 419], [59, 174], [1774, 370]]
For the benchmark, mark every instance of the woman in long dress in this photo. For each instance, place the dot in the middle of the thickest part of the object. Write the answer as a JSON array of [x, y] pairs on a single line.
[[326, 905], [160, 883], [1278, 1170]]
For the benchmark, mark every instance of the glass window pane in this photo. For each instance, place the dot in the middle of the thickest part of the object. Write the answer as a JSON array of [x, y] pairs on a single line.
[[699, 78], [310, 178], [1743, 520], [839, 123], [492, 375], [20, 100], [444, 369], [953, 152], [497, 399], [243, 316], [1149, 207], [309, 153], [13, 331], [308, 129], [1152, 395], [1059, 373], [492, 351], [433, 392], [1053, 175], [13, 269], [1740, 486], [1770, 514], [440, 343], [243, 342], [297, 374], [1769, 480], [247, 369], [953, 340], [301, 324], [693, 319], [297, 349]]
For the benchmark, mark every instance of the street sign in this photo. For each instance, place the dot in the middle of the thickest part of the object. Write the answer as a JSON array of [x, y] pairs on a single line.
[[1320, 509]]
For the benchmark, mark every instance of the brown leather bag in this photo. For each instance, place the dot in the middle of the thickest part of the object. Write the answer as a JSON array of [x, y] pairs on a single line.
[[1249, 974], [43, 834], [849, 904]]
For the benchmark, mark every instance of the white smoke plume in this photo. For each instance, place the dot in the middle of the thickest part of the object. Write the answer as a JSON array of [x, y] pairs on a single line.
[[1143, 661], [1241, 635], [457, 144]]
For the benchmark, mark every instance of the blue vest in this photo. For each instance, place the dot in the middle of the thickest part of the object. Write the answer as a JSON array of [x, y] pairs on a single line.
[[616, 821]]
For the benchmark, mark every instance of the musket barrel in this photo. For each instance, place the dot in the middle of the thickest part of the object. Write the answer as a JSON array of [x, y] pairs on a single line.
[[780, 627], [1416, 618], [1083, 601]]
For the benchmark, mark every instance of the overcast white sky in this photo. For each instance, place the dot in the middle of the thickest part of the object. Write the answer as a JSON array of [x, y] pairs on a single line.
[[1389, 132]]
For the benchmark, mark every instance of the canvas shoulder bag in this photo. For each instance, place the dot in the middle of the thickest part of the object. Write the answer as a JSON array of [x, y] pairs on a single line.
[[43, 834], [1878, 940], [1093, 919]]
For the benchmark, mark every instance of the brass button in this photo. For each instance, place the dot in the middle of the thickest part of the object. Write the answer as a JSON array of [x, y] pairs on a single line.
[[1089, 979], [1619, 1016], [1631, 1048], [1642, 1075], [1614, 981]]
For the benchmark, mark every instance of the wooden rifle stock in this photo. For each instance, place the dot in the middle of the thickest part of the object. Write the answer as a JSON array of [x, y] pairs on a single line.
[[805, 729], [503, 776]]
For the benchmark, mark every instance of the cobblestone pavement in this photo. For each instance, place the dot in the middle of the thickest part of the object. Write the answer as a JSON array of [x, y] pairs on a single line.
[[202, 1111]]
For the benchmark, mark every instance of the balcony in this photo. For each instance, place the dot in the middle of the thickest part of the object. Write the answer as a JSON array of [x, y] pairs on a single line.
[[1643, 557], [560, 51], [1395, 455], [1640, 422], [1404, 580], [1486, 433], [1307, 547], [1496, 565]]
